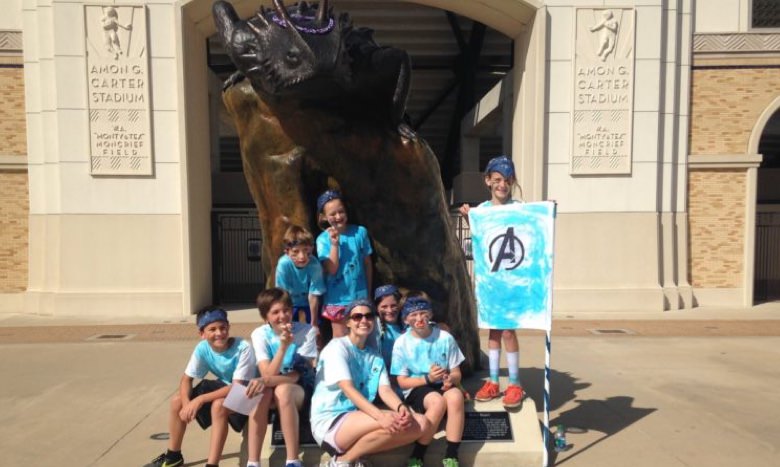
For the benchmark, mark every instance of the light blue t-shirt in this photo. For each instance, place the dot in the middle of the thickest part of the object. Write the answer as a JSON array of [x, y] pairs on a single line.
[[300, 282], [341, 360], [387, 340], [266, 343], [413, 356], [237, 362], [350, 282], [488, 203]]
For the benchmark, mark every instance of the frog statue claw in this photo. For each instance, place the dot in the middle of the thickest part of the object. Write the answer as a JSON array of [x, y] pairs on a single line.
[[318, 104]]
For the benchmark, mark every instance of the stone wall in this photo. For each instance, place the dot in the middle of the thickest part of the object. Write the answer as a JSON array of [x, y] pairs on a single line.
[[13, 136], [726, 104], [716, 215], [729, 93], [14, 209], [14, 195]]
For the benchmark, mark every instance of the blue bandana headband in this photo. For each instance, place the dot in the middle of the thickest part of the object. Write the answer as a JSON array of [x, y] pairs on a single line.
[[502, 165], [357, 303], [415, 304], [327, 196], [213, 315], [385, 290]]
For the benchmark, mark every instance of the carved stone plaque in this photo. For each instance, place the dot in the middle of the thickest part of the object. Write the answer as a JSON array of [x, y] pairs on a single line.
[[118, 90], [603, 91]]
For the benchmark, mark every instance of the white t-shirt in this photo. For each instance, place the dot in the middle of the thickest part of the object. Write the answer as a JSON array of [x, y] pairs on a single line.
[[413, 356], [237, 362], [266, 343], [341, 360]]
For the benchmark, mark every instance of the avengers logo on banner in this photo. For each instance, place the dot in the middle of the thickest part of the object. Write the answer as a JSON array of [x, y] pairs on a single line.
[[513, 263]]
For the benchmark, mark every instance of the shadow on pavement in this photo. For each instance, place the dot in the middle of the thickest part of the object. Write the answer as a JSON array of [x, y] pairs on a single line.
[[608, 416]]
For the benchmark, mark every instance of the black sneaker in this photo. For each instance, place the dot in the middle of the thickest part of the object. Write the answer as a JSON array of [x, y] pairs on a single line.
[[161, 461]]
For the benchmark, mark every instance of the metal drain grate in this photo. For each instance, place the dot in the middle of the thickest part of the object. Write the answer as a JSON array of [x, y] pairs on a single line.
[[610, 331], [110, 337]]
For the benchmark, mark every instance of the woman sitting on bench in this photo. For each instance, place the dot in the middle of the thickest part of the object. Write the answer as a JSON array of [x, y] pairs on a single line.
[[350, 374]]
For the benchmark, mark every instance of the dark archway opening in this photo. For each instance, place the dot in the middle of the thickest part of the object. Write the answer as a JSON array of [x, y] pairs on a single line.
[[767, 257]]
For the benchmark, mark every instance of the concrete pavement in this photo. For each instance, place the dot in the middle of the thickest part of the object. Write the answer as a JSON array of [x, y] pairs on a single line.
[[690, 388]]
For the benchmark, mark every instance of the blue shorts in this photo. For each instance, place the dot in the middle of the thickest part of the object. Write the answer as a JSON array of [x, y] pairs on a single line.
[[306, 311]]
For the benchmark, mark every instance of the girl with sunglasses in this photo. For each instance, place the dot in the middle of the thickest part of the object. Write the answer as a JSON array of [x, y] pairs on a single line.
[[350, 375]]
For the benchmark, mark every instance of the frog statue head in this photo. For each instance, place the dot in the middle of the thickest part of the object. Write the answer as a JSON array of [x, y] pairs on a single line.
[[285, 50]]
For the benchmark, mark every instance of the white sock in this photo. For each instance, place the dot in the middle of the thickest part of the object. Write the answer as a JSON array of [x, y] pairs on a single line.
[[252, 464], [513, 364], [494, 356]]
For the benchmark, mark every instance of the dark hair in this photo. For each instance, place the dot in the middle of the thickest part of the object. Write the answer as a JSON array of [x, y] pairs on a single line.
[[382, 324], [267, 298]]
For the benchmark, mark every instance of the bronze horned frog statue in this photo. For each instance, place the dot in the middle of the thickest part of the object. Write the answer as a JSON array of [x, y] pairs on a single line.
[[319, 104]]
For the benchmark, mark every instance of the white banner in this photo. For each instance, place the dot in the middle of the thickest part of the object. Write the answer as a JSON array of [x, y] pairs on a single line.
[[513, 263]]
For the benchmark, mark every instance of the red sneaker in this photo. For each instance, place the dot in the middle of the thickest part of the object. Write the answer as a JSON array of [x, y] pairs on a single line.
[[487, 392], [513, 396]]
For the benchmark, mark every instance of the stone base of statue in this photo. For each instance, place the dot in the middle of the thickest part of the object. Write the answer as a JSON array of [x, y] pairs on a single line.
[[492, 436]]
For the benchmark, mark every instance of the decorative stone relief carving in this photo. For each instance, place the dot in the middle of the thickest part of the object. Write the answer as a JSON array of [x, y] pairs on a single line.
[[603, 91], [718, 43], [10, 41], [118, 90]]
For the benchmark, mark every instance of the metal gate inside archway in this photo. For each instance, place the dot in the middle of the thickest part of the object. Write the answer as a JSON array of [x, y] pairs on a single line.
[[766, 286], [237, 246]]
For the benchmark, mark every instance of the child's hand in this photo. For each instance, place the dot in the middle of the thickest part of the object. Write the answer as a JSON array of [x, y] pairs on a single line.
[[286, 336], [189, 410], [446, 383], [388, 422], [436, 373], [255, 387], [464, 210], [403, 419], [334, 236]]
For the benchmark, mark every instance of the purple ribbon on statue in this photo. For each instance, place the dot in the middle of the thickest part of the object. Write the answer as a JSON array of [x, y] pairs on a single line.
[[299, 18]]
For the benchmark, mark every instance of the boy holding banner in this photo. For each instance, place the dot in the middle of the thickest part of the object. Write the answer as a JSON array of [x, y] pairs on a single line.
[[500, 179]]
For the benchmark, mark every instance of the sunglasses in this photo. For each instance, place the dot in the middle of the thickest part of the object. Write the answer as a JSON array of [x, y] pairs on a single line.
[[357, 317]]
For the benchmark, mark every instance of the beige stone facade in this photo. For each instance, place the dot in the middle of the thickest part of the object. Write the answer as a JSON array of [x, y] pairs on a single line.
[[14, 209], [726, 103], [674, 230], [14, 212], [13, 136], [716, 216], [730, 94]]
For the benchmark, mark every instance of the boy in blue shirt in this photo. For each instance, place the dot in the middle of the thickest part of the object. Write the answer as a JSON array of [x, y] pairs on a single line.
[[300, 274], [285, 351], [231, 360], [426, 361]]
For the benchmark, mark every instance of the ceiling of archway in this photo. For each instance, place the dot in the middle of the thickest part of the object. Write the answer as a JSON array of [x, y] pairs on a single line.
[[434, 39]]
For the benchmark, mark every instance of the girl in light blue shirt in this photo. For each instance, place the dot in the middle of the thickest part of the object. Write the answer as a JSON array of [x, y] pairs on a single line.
[[350, 374]]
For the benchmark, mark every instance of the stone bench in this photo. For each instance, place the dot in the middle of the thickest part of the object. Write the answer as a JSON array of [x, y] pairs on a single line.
[[524, 450]]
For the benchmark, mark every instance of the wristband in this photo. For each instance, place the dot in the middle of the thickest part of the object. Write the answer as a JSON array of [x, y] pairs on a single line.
[[399, 406], [427, 379]]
